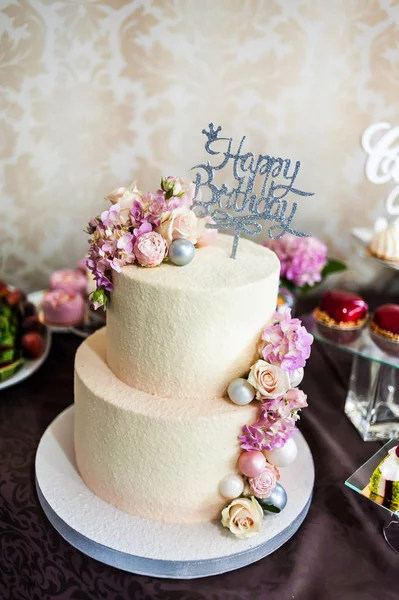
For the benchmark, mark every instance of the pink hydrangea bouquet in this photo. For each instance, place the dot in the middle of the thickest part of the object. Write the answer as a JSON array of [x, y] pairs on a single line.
[[284, 349], [304, 261], [139, 228]]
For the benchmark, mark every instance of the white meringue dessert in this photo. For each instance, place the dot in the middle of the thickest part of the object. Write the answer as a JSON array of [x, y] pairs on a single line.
[[385, 243]]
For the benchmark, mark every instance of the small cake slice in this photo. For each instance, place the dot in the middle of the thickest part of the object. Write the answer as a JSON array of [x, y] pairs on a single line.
[[63, 308], [69, 280], [384, 482]]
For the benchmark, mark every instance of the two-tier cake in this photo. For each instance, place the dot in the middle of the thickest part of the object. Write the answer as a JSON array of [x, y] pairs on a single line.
[[156, 433]]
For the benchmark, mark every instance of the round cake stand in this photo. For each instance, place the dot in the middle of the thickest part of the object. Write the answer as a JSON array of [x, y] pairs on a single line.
[[137, 545]]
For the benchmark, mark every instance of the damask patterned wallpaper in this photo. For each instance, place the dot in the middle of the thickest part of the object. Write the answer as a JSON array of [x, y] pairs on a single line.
[[98, 93]]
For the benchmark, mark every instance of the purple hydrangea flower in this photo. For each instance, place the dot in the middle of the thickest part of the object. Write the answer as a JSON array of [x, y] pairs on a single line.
[[286, 343], [269, 433]]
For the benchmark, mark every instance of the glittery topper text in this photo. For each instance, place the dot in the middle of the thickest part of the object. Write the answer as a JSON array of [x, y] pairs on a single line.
[[240, 208]]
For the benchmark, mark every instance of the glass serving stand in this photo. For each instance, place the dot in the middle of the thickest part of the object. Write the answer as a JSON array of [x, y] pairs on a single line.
[[363, 236], [359, 482], [372, 403]]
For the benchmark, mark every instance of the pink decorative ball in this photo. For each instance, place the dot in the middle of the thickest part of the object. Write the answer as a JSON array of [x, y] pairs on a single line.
[[251, 463]]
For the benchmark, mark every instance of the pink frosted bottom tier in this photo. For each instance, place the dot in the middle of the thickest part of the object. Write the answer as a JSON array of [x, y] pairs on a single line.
[[63, 308], [159, 458]]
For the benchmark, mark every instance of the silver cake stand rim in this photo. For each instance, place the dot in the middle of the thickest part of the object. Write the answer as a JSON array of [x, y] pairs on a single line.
[[171, 569], [166, 568]]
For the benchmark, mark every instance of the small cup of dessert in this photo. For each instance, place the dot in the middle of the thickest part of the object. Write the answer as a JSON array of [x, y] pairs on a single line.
[[69, 280], [62, 308], [341, 316], [384, 328]]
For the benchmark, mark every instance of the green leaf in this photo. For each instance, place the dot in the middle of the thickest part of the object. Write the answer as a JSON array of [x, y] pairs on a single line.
[[271, 508], [333, 266], [306, 288], [268, 507]]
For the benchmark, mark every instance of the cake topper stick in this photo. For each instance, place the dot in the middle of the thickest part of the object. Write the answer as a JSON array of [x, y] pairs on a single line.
[[240, 208]]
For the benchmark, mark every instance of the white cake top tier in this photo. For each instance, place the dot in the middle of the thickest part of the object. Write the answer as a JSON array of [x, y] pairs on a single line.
[[189, 331]]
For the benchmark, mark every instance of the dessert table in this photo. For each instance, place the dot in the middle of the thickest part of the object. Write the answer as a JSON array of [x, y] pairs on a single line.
[[338, 553]]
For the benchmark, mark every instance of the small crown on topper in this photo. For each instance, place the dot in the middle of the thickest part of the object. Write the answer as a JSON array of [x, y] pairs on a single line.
[[212, 134], [239, 208]]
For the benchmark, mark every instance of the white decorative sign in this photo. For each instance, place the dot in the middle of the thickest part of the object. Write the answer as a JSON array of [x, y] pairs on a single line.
[[383, 159]]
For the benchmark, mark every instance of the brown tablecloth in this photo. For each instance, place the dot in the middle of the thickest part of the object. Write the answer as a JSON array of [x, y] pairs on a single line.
[[338, 553]]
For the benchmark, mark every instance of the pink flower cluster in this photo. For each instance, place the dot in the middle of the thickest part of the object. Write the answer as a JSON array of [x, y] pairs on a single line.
[[286, 343], [285, 348], [140, 227], [302, 258]]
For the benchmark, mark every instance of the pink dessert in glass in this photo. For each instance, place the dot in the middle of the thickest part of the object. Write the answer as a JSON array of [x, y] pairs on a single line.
[[69, 280], [63, 308]]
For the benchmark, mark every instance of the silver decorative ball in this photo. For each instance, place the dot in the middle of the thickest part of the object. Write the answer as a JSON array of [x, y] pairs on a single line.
[[181, 252], [241, 392], [277, 499], [231, 486]]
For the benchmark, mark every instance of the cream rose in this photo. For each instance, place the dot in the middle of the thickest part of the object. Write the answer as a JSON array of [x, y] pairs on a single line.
[[125, 197], [268, 380], [243, 516], [178, 223]]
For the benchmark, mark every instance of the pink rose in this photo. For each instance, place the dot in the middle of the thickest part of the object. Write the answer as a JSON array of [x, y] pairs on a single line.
[[263, 485], [150, 249], [296, 399], [178, 223], [205, 237], [268, 380]]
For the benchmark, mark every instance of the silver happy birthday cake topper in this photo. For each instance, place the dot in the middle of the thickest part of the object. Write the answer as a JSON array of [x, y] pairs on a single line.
[[240, 208]]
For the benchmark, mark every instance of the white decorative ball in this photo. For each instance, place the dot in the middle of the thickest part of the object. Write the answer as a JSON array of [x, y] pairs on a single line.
[[241, 392], [231, 486], [181, 252], [296, 377], [282, 457]]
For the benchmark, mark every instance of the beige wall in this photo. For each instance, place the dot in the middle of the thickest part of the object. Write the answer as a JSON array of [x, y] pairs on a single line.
[[99, 93]]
